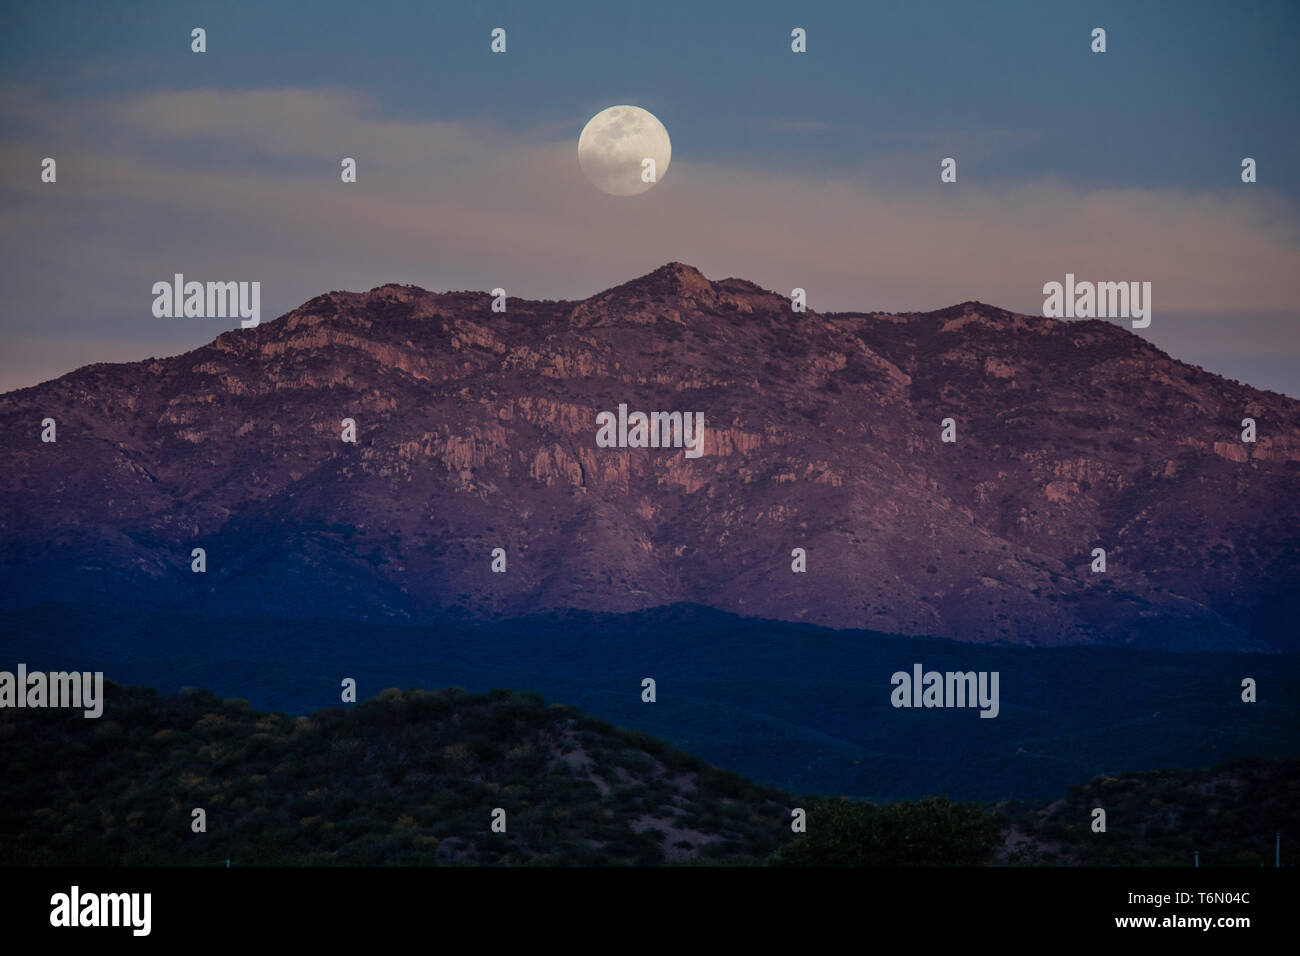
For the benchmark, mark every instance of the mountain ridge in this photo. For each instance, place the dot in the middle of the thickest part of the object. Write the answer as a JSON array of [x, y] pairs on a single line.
[[476, 429]]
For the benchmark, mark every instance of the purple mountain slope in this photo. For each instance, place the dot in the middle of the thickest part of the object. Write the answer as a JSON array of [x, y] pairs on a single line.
[[477, 430]]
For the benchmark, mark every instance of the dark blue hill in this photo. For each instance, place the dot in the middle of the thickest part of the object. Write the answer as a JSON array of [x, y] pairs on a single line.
[[800, 707]]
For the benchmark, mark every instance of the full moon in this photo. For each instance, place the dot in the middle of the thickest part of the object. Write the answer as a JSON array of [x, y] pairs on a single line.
[[615, 145]]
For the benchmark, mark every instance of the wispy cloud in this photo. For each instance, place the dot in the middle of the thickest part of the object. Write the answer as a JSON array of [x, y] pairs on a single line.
[[245, 185]]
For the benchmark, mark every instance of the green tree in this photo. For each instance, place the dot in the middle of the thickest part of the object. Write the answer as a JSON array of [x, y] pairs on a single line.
[[929, 832]]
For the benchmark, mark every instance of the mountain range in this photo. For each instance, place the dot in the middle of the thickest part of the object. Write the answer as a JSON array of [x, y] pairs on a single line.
[[476, 430]]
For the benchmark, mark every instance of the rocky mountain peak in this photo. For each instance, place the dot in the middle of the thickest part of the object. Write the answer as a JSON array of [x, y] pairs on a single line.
[[477, 430]]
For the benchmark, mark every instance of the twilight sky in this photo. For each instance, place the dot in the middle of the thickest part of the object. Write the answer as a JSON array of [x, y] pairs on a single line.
[[818, 170]]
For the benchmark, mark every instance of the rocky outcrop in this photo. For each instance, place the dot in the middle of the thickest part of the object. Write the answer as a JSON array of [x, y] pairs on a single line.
[[476, 430]]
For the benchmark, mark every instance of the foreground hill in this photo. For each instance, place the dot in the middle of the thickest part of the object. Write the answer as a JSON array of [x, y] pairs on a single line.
[[414, 777], [407, 777], [1230, 814], [476, 430]]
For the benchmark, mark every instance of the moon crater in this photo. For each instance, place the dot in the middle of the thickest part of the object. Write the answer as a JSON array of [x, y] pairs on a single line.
[[614, 148]]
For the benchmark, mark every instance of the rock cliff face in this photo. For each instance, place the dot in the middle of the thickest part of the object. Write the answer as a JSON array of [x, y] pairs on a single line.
[[477, 430]]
